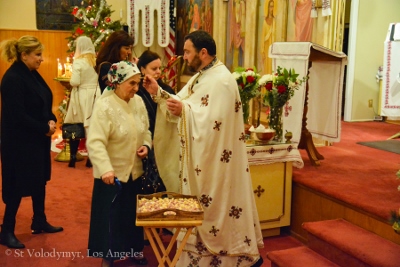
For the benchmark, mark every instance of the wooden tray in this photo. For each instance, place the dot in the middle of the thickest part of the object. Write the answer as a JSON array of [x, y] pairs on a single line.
[[160, 215]]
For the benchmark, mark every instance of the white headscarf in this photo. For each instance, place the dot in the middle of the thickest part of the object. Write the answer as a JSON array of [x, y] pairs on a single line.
[[84, 45], [120, 72]]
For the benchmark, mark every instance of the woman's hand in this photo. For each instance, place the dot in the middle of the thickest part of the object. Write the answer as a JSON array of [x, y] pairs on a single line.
[[52, 128], [108, 177], [142, 152], [174, 106], [150, 84]]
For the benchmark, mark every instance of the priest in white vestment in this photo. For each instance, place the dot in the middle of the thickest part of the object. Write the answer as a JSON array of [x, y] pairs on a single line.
[[212, 159]]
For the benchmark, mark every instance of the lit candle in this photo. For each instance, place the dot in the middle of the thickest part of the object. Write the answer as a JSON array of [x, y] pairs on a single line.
[[66, 70], [59, 68]]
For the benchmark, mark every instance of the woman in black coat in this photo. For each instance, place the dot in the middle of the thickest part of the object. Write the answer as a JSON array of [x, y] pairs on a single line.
[[27, 123]]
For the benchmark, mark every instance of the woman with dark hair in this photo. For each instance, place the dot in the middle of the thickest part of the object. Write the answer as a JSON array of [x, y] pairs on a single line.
[[150, 64], [117, 47]]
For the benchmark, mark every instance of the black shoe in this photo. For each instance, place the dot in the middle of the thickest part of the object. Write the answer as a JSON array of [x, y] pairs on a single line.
[[9, 240], [45, 228], [139, 261], [259, 263], [72, 161], [89, 163]]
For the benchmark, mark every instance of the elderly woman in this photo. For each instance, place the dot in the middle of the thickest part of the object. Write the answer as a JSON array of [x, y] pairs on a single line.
[[117, 141]]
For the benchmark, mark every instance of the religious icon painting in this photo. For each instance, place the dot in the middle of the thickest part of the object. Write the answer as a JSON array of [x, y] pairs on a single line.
[[235, 39], [272, 27], [192, 15]]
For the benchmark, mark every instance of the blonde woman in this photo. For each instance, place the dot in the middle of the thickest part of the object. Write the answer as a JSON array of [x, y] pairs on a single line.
[[85, 88], [27, 124]]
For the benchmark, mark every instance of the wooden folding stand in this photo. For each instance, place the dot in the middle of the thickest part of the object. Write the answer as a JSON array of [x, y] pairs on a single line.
[[168, 217], [162, 253]]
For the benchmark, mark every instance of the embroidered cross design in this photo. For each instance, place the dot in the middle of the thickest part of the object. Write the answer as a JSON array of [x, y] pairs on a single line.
[[200, 247], [226, 155], [259, 191], [217, 126], [204, 101], [238, 104], [215, 262], [214, 231], [205, 200], [242, 137], [197, 170], [247, 240], [287, 109], [235, 212]]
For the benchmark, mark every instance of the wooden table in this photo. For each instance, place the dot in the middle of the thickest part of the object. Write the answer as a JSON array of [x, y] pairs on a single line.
[[150, 228]]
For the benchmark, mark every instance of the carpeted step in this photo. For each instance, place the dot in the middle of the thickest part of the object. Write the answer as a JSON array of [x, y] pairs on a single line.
[[298, 256], [349, 245]]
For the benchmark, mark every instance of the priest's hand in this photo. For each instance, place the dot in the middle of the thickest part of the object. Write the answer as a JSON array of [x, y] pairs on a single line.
[[150, 84], [174, 106]]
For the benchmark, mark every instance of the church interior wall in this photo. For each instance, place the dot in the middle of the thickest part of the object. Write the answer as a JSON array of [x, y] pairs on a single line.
[[373, 21]]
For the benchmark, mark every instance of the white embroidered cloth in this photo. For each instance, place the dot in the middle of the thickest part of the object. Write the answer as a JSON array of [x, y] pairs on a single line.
[[326, 8], [268, 154], [325, 88], [390, 105], [146, 9]]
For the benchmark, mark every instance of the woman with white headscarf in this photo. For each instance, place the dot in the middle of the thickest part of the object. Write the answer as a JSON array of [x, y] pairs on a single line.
[[84, 83], [119, 138]]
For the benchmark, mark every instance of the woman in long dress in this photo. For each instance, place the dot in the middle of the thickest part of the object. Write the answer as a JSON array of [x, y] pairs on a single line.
[[84, 91]]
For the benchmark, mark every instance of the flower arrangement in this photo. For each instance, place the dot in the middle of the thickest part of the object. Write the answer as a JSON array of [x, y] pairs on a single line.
[[279, 89], [280, 86], [247, 81]]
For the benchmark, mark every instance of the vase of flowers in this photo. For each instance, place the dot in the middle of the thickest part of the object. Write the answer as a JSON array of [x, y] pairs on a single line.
[[247, 82], [279, 89]]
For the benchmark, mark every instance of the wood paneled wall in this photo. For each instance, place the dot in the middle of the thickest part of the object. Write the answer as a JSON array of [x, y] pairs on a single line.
[[55, 46]]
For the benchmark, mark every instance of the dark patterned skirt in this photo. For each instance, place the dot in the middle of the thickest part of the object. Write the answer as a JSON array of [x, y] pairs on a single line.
[[113, 233]]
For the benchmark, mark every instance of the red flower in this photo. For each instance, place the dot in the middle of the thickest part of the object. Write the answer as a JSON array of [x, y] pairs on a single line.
[[250, 79], [241, 85], [268, 86], [75, 10], [79, 31], [281, 89], [249, 69]]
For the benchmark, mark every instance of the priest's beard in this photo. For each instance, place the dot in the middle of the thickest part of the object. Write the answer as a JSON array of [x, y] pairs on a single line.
[[195, 64]]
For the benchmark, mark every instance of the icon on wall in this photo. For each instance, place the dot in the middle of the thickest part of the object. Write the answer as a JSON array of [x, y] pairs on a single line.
[[55, 14]]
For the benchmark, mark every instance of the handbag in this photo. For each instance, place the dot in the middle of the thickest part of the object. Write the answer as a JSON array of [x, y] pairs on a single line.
[[72, 131], [151, 180]]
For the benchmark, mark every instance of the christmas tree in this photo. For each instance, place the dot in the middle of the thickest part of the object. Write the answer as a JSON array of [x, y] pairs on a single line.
[[95, 22]]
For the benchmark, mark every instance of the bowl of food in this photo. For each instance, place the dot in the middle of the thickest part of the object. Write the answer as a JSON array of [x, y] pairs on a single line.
[[266, 135]]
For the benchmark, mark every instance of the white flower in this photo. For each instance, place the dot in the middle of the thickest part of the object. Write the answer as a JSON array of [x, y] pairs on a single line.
[[236, 75], [264, 79]]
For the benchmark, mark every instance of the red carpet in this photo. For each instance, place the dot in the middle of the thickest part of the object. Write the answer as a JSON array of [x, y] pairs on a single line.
[[359, 175], [362, 170]]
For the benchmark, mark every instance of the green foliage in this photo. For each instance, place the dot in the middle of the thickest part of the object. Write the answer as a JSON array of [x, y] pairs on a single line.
[[94, 21], [280, 86]]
